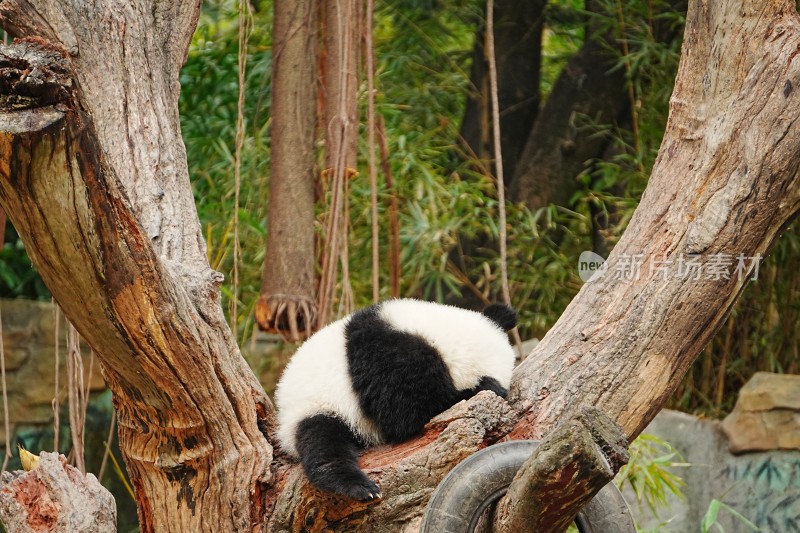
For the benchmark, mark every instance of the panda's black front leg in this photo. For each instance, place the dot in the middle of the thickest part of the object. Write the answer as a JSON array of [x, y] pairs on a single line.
[[486, 383], [329, 451]]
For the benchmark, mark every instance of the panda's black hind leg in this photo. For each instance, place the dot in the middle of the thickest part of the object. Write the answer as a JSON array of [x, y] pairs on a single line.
[[329, 450]]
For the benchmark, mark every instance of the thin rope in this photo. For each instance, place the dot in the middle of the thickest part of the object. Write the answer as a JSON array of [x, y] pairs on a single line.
[[373, 171], [338, 131], [7, 423], [56, 401], [498, 163], [498, 153], [244, 35], [107, 451], [75, 389]]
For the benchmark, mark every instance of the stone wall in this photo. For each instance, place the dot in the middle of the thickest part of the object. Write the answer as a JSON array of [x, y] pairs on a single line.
[[763, 486], [29, 347]]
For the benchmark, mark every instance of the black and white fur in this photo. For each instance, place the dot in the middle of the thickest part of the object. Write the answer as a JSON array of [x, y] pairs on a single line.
[[379, 375]]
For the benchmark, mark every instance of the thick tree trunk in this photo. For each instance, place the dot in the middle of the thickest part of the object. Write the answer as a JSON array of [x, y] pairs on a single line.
[[724, 187], [561, 141], [589, 92], [98, 188], [287, 302], [103, 205], [544, 150]]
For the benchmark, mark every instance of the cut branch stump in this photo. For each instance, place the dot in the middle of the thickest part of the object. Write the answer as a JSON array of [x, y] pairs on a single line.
[[55, 497], [570, 466]]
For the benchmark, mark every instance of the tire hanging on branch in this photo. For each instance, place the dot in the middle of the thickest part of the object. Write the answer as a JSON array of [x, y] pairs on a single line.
[[471, 487]]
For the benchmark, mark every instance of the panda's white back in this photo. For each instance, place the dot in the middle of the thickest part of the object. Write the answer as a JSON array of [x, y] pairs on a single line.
[[471, 345], [316, 381], [379, 375]]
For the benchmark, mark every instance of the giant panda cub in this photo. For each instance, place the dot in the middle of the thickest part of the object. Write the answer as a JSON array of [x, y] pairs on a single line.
[[379, 375]]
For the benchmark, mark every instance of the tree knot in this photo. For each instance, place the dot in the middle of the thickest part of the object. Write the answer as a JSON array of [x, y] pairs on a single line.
[[34, 73]]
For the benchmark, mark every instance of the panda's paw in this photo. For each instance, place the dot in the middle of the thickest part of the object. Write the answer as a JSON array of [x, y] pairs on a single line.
[[344, 478], [363, 490]]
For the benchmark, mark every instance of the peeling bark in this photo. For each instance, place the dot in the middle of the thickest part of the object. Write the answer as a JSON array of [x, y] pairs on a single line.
[[190, 411]]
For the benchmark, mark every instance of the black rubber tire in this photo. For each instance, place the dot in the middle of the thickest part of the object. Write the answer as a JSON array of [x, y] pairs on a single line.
[[473, 485]]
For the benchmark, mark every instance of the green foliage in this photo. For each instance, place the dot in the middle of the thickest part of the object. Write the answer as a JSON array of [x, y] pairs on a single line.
[[710, 518], [422, 64], [649, 474], [563, 36], [208, 107], [18, 279], [423, 53]]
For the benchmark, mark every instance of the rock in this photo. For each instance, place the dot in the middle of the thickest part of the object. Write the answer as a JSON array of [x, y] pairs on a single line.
[[766, 391], [764, 487], [748, 432], [766, 416]]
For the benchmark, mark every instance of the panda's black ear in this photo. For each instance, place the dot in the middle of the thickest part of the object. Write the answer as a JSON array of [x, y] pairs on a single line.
[[501, 314]]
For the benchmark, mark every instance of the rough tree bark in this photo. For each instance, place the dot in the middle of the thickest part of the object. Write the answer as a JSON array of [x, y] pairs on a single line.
[[287, 302], [570, 466], [98, 188], [725, 184], [55, 496]]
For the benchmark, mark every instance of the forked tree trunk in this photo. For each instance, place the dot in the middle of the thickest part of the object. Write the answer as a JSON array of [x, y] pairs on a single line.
[[98, 188]]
